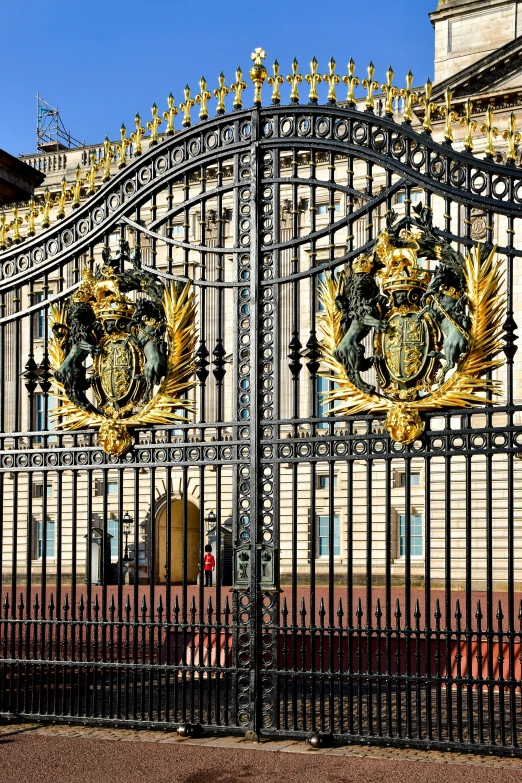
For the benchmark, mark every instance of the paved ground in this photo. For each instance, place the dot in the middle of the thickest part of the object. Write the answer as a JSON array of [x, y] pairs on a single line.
[[32, 753]]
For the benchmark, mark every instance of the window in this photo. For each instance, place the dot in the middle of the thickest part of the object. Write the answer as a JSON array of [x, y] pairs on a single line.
[[112, 487], [415, 195], [323, 386], [321, 281], [178, 228], [41, 423], [414, 479], [323, 482], [324, 209], [415, 535], [113, 529], [323, 536], [39, 493], [40, 319], [47, 549]]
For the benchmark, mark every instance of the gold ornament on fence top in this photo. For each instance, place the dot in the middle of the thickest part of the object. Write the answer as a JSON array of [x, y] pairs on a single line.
[[221, 93], [153, 125], [238, 87], [169, 115], [275, 82], [469, 124], [332, 79], [294, 79], [15, 225], [409, 97], [91, 175], [352, 82], [450, 116], [370, 85], [429, 106], [513, 137], [46, 209], [137, 135], [108, 156], [203, 97], [490, 131], [3, 230], [142, 352], [186, 107], [77, 188], [313, 78], [436, 334], [62, 198], [31, 217], [122, 147], [390, 91]]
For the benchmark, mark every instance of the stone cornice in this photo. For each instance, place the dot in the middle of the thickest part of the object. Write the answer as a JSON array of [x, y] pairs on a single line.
[[459, 7], [489, 71]]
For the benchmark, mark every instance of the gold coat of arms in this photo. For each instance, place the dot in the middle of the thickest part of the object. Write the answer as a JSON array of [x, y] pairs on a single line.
[[119, 362], [436, 319]]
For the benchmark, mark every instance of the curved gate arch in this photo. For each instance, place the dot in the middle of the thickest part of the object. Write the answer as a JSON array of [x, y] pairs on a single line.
[[339, 625]]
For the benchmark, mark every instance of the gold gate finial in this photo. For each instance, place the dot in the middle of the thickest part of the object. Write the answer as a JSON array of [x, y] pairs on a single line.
[[332, 79], [3, 231], [313, 78], [409, 97], [491, 132], [122, 147], [221, 93], [370, 86], [46, 209], [275, 83], [91, 175], [62, 198], [186, 107], [512, 137], [428, 106], [390, 91], [258, 74], [450, 115], [153, 126], [17, 222], [202, 98], [77, 187], [108, 155], [295, 80], [31, 216], [237, 88], [352, 82], [137, 135], [469, 124], [169, 115]]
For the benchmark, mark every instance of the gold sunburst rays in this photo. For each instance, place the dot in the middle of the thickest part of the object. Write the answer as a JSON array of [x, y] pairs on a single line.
[[468, 385], [166, 405]]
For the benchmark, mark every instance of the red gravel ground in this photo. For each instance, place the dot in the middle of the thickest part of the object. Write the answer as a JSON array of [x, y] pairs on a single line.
[[27, 757]]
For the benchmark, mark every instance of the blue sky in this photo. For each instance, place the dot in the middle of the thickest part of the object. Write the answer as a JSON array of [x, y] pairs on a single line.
[[100, 62]]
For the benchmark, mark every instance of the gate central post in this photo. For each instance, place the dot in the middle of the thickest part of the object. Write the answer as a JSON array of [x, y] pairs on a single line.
[[256, 571]]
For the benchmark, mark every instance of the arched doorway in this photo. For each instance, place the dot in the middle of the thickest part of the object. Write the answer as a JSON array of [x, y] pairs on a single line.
[[176, 526]]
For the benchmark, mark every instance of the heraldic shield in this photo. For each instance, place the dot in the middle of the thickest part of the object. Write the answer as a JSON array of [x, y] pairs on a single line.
[[119, 362], [436, 319]]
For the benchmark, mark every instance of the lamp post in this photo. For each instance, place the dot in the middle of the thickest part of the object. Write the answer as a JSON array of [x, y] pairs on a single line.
[[210, 520], [127, 526]]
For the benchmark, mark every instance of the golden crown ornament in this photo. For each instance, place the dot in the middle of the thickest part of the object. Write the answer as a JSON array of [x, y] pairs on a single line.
[[142, 350], [436, 319]]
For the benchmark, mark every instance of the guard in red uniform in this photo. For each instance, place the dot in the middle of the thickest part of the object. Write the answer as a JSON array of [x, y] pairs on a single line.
[[208, 565]]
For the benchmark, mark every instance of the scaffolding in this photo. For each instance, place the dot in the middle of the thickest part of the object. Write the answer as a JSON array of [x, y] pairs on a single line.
[[51, 133]]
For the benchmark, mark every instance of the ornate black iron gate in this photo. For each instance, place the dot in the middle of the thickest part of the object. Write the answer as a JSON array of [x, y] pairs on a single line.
[[375, 586]]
